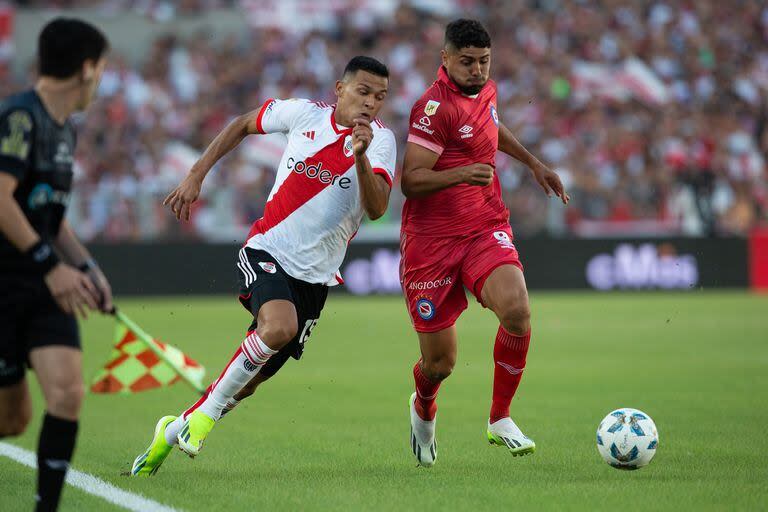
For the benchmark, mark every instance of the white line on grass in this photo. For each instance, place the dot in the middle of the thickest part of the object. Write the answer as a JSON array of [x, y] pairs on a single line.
[[90, 483]]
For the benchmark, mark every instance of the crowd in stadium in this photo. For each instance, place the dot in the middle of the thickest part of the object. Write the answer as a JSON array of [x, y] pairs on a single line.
[[654, 114]]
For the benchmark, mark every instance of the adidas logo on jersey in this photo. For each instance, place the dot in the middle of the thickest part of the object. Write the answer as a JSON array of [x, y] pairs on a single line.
[[466, 131], [309, 135]]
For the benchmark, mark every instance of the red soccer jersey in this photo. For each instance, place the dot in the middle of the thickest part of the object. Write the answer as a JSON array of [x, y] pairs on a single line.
[[463, 130]]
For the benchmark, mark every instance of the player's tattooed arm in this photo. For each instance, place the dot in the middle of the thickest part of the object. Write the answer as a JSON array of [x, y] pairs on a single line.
[[419, 179], [374, 189], [549, 180], [181, 198]]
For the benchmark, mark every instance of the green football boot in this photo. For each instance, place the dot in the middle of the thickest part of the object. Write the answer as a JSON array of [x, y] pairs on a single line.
[[150, 461], [194, 431]]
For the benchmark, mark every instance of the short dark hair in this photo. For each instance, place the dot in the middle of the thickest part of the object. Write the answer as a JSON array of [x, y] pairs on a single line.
[[65, 44], [369, 64], [463, 33]]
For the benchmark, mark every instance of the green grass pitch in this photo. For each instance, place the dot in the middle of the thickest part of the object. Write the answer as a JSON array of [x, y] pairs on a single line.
[[331, 432]]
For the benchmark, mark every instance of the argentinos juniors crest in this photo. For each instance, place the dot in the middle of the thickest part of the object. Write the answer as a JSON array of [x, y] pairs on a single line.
[[425, 308]]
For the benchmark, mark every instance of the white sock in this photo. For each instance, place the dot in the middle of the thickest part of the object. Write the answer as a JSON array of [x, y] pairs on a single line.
[[172, 430], [231, 404], [247, 361]]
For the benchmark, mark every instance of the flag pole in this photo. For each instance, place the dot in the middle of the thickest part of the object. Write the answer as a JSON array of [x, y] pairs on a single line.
[[149, 342]]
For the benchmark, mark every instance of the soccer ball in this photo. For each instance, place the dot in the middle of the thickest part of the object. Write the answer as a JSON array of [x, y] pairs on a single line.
[[627, 439]]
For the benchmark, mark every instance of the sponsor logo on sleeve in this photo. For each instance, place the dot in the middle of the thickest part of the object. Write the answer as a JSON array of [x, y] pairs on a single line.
[[431, 107], [15, 142], [423, 125], [43, 194]]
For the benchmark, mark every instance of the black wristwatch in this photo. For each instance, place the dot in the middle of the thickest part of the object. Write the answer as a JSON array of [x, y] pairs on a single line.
[[87, 266]]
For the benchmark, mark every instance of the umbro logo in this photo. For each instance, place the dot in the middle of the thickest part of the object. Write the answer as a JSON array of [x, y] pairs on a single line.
[[310, 135], [466, 131], [511, 369]]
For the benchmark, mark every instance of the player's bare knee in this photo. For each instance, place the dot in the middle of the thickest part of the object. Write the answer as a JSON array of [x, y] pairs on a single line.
[[66, 399], [517, 319], [439, 369], [278, 335]]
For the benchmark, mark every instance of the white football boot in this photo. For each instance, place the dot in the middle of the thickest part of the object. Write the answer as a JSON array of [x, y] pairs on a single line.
[[423, 443], [504, 432]]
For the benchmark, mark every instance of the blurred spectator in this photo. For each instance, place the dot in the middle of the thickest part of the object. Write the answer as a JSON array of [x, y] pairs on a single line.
[[654, 112]]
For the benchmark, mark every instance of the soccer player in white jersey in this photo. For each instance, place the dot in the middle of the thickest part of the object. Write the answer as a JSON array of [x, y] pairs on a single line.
[[338, 166]]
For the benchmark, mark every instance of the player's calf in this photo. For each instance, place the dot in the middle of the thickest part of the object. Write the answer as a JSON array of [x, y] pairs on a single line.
[[14, 425], [15, 409]]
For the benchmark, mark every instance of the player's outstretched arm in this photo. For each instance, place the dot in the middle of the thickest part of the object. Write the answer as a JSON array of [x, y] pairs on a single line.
[[548, 179], [181, 198], [419, 179]]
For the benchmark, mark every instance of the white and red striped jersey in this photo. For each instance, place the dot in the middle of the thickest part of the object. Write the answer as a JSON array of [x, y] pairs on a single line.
[[314, 208]]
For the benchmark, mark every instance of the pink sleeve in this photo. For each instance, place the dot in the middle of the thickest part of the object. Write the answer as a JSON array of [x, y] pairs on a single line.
[[429, 130]]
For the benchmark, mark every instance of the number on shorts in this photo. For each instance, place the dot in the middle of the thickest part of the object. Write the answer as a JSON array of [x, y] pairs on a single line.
[[307, 331]]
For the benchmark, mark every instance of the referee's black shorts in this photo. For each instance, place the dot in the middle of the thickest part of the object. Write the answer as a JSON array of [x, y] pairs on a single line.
[[29, 319]]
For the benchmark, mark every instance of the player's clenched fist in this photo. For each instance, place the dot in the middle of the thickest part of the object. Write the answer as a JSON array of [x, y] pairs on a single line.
[[362, 135], [478, 175], [182, 197]]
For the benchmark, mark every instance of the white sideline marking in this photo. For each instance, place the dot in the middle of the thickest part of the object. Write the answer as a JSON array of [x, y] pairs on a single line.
[[90, 484]]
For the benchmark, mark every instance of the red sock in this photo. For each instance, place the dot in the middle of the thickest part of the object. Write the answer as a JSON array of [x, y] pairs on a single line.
[[426, 394], [509, 362]]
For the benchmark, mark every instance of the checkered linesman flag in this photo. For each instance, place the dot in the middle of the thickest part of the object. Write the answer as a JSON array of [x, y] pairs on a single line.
[[139, 362]]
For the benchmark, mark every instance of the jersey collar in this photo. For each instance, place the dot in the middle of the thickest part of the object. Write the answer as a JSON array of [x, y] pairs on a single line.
[[442, 76], [340, 130]]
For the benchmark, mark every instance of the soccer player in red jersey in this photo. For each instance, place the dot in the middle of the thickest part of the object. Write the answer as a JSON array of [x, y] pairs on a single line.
[[456, 234]]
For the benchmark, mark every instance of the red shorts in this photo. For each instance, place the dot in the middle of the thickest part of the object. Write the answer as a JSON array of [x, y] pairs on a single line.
[[435, 270]]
